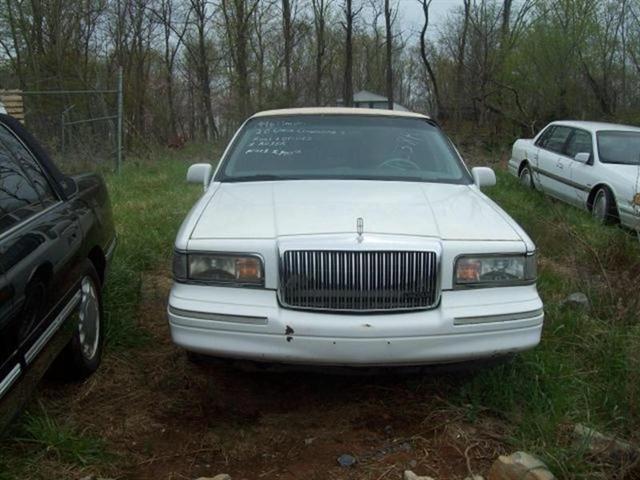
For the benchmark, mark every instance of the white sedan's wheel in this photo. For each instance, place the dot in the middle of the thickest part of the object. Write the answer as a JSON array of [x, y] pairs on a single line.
[[526, 179], [603, 206]]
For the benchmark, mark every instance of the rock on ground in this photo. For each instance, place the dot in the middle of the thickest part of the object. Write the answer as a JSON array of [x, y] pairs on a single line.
[[519, 466], [346, 460], [220, 476], [577, 299], [603, 446], [409, 475]]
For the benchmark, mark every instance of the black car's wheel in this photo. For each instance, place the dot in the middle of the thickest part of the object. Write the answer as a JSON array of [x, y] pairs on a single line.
[[603, 208], [84, 352], [526, 177]]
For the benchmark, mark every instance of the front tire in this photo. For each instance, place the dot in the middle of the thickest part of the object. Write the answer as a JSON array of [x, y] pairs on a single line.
[[604, 207], [83, 354]]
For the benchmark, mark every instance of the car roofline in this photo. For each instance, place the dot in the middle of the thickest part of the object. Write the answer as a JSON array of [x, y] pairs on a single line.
[[595, 127], [339, 111]]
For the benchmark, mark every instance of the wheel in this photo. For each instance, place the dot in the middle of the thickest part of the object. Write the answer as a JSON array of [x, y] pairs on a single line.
[[83, 354], [604, 206], [526, 178]]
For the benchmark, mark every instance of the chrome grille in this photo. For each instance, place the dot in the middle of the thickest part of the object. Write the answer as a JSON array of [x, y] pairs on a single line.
[[358, 281]]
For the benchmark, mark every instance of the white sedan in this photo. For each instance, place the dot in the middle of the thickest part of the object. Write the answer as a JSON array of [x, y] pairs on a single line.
[[351, 237], [595, 166]]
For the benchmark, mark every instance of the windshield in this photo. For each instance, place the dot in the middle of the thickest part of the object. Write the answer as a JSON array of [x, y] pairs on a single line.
[[619, 147], [363, 147]]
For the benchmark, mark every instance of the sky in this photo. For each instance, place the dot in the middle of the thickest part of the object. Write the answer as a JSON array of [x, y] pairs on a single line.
[[411, 16]]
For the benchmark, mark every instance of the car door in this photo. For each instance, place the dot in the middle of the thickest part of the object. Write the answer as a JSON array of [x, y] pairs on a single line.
[[583, 175], [552, 166], [40, 238], [18, 201], [10, 368]]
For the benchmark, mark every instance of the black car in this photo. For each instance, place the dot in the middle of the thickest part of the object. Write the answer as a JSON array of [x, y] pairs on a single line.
[[56, 241]]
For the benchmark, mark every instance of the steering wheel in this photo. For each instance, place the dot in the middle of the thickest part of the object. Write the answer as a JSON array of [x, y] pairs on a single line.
[[400, 164]]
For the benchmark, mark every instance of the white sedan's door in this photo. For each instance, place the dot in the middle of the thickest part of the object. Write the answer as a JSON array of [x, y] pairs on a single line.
[[554, 168], [583, 175]]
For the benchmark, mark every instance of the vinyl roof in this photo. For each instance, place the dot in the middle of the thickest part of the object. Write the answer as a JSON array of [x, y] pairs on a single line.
[[339, 111]]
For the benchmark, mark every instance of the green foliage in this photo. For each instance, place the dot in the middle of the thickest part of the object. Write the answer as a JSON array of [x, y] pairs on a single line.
[[586, 369], [40, 440], [149, 200], [49, 439]]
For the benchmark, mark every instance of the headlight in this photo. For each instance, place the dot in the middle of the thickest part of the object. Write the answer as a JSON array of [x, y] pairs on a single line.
[[494, 270], [219, 268]]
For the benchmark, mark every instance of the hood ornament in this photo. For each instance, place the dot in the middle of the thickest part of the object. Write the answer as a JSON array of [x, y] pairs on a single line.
[[360, 228]]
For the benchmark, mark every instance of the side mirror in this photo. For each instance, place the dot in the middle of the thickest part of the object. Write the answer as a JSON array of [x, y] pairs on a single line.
[[69, 187], [582, 157], [200, 173], [483, 176]]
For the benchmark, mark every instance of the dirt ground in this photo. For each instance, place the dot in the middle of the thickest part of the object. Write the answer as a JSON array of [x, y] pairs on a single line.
[[164, 417]]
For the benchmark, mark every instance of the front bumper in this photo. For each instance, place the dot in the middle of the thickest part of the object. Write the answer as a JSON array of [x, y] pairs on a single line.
[[250, 324]]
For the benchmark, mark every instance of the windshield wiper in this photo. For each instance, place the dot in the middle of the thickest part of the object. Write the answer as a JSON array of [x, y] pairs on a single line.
[[255, 178]]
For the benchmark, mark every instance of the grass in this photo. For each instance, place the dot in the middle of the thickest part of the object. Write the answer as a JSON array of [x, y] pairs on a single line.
[[149, 201], [62, 442], [587, 368], [40, 439]]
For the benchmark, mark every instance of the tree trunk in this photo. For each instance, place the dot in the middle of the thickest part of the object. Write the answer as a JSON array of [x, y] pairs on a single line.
[[238, 24], [319, 12], [348, 55], [506, 18], [287, 33], [387, 19], [460, 61], [211, 129], [425, 59]]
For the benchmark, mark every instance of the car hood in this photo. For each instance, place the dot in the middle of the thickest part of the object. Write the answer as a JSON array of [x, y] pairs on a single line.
[[284, 208]]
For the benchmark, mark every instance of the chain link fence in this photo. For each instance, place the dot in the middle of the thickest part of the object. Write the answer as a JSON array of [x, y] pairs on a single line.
[[81, 129]]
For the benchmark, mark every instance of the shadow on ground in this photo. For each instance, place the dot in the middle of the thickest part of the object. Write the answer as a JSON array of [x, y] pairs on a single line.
[[165, 417]]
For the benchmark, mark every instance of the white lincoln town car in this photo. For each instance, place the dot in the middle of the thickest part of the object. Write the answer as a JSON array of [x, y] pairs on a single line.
[[350, 237]]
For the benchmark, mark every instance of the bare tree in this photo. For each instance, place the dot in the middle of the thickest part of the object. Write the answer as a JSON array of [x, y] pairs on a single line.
[[287, 34], [460, 60], [506, 17], [174, 32], [605, 54], [425, 58], [237, 22], [201, 15], [259, 47], [374, 51], [349, 14], [320, 11], [389, 49]]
